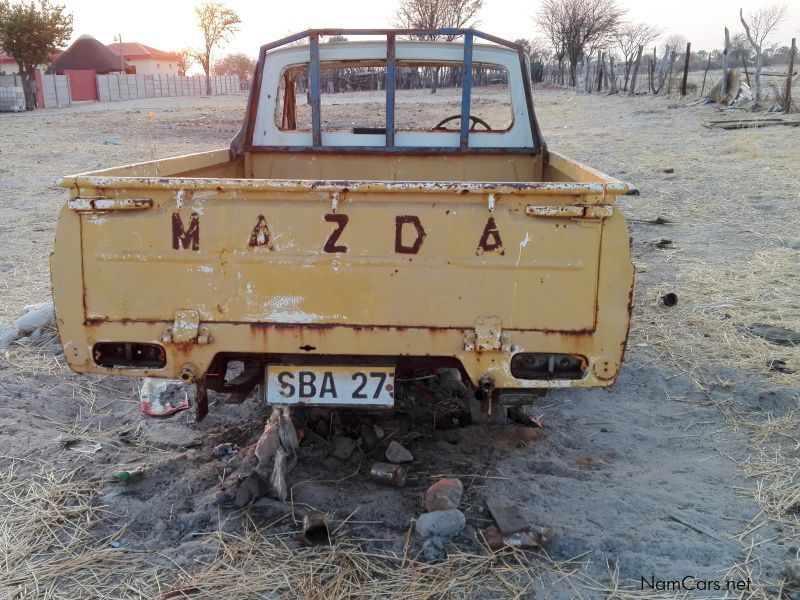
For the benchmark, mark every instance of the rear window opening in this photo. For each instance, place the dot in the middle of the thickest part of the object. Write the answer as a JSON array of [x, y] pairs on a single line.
[[427, 97]]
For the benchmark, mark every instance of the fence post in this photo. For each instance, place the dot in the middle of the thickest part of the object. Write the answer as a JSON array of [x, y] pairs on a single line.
[[686, 68], [725, 64], [787, 98], [632, 91], [708, 64]]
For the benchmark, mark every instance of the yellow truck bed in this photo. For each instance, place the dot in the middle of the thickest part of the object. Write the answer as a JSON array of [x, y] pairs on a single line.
[[514, 267]]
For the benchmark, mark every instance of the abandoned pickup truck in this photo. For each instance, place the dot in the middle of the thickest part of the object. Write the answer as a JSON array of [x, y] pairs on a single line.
[[359, 227]]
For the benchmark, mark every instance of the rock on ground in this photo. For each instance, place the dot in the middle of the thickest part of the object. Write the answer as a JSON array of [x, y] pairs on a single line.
[[444, 494], [397, 453], [441, 523]]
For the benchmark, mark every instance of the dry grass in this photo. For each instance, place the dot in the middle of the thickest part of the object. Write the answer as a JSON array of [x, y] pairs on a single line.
[[49, 549], [716, 302]]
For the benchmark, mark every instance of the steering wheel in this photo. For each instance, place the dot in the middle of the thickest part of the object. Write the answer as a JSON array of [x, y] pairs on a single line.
[[474, 121]]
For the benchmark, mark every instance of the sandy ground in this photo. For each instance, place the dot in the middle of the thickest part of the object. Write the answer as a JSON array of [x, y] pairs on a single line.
[[687, 467]]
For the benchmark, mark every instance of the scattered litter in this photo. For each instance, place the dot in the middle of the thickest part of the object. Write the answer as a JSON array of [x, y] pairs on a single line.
[[508, 518], [737, 94], [397, 453], [394, 475], [519, 416], [780, 366], [665, 243], [8, 334], [286, 456], [163, 397], [36, 316], [656, 221], [278, 445], [111, 142], [524, 539], [669, 170], [774, 335], [129, 436], [315, 529], [116, 544], [224, 450], [128, 476], [88, 448], [750, 123], [440, 523], [444, 494], [670, 299]]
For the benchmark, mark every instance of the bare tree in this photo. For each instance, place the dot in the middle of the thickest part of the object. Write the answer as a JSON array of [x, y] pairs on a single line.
[[218, 23], [437, 14], [629, 37], [761, 24], [537, 52], [676, 42], [584, 26], [553, 25]]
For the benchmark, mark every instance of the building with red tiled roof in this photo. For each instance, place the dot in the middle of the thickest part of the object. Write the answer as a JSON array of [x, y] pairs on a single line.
[[146, 60], [8, 65]]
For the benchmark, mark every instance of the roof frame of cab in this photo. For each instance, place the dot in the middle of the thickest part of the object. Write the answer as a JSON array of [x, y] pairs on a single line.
[[244, 140]]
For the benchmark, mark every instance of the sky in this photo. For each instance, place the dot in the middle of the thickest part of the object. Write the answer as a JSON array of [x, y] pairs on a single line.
[[170, 24]]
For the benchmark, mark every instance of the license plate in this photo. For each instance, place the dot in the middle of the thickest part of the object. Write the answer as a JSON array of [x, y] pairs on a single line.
[[334, 386]]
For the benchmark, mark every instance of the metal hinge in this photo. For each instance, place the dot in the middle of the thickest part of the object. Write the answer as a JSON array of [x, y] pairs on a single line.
[[186, 329], [488, 335]]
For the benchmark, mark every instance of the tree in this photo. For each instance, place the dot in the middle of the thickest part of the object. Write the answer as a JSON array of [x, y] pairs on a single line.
[[218, 23], [761, 24], [583, 26], [536, 50], [30, 32], [552, 23], [235, 64], [629, 37], [186, 58], [677, 42], [437, 14]]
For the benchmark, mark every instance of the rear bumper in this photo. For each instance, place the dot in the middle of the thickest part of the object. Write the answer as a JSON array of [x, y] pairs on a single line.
[[354, 345]]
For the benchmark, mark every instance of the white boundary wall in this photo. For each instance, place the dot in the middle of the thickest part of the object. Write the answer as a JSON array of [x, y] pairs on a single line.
[[118, 86]]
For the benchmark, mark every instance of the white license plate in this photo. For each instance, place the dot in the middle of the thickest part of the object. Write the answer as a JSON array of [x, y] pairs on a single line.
[[335, 386]]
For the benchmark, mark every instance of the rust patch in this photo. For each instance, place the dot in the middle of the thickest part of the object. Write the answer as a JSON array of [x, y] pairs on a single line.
[[399, 223]]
